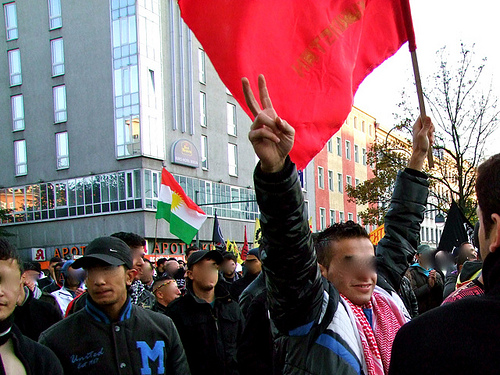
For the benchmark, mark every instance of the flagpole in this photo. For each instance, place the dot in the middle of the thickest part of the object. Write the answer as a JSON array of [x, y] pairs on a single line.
[[421, 103], [156, 233]]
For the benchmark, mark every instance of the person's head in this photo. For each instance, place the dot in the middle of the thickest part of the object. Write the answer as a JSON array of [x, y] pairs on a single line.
[[228, 265], [463, 253], [10, 279], [424, 255], [137, 245], [73, 278], [203, 267], [488, 199], [190, 250], [52, 265], [109, 267], [171, 266], [166, 290], [147, 272], [31, 272], [252, 262], [443, 260], [346, 258], [160, 265]]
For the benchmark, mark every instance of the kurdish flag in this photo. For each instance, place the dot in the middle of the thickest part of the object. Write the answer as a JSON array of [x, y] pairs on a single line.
[[184, 216]]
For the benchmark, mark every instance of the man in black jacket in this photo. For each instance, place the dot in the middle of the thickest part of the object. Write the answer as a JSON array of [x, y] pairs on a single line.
[[110, 335], [18, 353], [440, 341], [209, 321]]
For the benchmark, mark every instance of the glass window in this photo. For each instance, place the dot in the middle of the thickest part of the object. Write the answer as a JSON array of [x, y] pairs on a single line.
[[358, 219], [201, 66], [330, 146], [349, 216], [17, 103], [321, 178], [332, 217], [204, 152], [355, 122], [60, 114], [231, 119], [62, 150], [357, 182], [20, 158], [340, 183], [55, 14], [341, 216], [203, 109], [363, 126], [330, 180], [322, 218], [10, 12], [15, 67], [232, 155], [356, 153], [57, 49], [339, 147], [348, 150], [348, 180], [363, 151]]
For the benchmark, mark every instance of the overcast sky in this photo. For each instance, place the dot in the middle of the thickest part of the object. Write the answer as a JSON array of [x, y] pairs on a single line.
[[437, 23]]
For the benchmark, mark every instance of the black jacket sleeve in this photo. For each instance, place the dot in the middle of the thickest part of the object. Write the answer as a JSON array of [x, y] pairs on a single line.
[[293, 279]]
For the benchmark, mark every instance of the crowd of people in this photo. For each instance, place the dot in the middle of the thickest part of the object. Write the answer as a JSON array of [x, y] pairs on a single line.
[[303, 303]]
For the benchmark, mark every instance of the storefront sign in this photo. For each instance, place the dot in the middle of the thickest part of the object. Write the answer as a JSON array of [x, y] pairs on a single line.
[[38, 254], [184, 152]]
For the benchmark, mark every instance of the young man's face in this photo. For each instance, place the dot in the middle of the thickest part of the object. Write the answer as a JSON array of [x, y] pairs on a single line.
[[138, 261], [204, 274], [352, 269], [253, 265], [107, 285], [228, 266], [10, 287], [168, 292]]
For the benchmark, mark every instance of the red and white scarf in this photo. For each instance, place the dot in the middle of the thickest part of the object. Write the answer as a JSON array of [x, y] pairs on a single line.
[[377, 342]]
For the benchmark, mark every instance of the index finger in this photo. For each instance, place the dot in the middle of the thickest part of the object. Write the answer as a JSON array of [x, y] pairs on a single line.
[[252, 103]]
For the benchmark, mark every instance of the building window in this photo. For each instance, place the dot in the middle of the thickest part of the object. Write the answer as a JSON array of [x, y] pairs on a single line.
[[358, 219], [427, 234], [55, 14], [322, 218], [62, 150], [15, 67], [20, 157], [363, 126], [370, 129], [355, 122], [231, 119], [203, 109], [356, 153], [201, 67], [57, 49], [340, 184], [339, 147], [204, 152], [349, 216], [321, 178], [60, 114], [341, 216], [232, 156], [348, 150], [330, 146], [330, 180], [348, 180], [17, 112], [10, 12], [332, 217], [363, 152], [356, 182]]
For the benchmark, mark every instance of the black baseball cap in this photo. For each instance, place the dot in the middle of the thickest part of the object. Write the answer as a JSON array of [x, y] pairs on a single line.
[[203, 254], [110, 250]]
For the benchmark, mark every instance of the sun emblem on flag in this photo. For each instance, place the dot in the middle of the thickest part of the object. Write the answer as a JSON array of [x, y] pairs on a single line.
[[176, 201]]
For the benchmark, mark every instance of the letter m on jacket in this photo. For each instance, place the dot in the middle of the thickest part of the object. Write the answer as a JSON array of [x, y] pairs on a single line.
[[157, 353]]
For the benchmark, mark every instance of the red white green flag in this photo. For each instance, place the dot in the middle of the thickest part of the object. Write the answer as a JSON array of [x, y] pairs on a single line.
[[184, 216]]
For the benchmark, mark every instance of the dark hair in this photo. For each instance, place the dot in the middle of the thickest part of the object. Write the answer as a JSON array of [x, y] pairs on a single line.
[[171, 258], [160, 261], [55, 260], [336, 232], [488, 190], [131, 239], [229, 255], [32, 266], [8, 252], [191, 249]]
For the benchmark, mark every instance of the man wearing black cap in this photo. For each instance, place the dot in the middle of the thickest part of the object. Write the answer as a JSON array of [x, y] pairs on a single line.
[[208, 319], [252, 268], [110, 335]]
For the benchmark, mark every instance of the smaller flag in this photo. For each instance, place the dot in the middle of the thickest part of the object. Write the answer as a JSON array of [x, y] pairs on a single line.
[[184, 216], [257, 234], [233, 248], [457, 229], [244, 249], [217, 237]]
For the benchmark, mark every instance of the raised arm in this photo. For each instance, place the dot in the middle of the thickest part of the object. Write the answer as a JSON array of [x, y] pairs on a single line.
[[406, 213], [293, 280]]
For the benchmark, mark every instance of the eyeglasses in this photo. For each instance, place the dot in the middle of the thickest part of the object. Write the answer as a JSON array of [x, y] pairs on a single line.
[[165, 283]]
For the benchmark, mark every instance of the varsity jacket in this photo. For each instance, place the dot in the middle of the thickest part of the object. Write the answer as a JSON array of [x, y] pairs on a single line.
[[140, 342], [318, 333]]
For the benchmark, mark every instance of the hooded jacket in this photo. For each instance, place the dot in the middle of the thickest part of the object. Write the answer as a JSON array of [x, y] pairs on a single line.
[[317, 332]]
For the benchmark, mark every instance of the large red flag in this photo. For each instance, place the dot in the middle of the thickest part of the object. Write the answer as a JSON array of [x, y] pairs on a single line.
[[314, 54]]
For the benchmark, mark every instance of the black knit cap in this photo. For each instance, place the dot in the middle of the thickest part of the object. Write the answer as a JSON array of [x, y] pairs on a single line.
[[110, 250]]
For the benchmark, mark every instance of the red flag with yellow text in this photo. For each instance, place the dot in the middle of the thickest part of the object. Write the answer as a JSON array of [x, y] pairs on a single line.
[[314, 54]]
